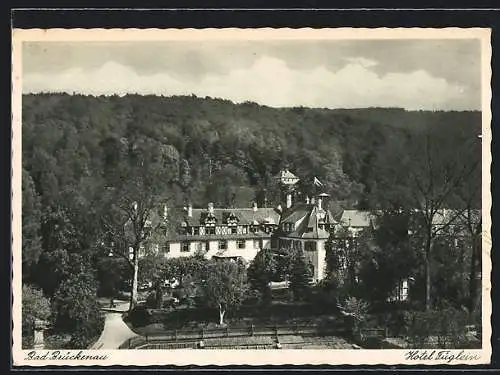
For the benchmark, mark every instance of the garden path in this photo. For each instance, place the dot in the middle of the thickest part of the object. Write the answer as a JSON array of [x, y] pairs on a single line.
[[115, 330]]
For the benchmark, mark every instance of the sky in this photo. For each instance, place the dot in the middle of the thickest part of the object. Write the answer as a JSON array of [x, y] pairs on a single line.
[[411, 74]]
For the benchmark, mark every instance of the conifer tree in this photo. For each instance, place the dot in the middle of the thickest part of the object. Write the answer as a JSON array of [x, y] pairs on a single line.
[[300, 276]]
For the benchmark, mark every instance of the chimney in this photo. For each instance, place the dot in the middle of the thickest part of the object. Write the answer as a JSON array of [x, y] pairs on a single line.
[[211, 208], [288, 200], [255, 206], [190, 210]]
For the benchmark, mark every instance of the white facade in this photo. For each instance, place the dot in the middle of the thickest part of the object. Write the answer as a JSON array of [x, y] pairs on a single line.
[[244, 248]]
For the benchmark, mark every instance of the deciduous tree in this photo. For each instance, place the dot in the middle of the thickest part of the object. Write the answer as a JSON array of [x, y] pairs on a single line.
[[138, 192], [438, 167], [225, 286]]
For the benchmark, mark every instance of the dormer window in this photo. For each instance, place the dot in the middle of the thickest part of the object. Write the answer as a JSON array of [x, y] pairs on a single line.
[[208, 219], [230, 219]]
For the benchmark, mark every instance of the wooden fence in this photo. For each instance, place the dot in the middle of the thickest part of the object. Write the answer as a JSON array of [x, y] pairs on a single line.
[[189, 338]]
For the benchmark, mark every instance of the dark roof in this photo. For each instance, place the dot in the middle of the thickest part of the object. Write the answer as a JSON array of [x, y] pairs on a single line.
[[244, 215], [296, 213], [308, 216]]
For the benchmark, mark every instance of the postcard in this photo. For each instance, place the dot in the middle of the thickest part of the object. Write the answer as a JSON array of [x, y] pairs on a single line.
[[251, 196]]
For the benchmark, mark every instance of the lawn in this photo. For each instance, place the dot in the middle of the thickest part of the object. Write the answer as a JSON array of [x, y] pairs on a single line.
[[275, 313]]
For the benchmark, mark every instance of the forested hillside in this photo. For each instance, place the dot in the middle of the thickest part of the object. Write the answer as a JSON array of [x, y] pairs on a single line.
[[92, 165], [228, 153]]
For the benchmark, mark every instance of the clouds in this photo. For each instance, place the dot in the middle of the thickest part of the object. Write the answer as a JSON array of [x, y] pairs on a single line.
[[313, 74]]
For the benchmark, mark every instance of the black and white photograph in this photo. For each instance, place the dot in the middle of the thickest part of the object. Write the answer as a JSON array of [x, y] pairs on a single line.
[[270, 195]]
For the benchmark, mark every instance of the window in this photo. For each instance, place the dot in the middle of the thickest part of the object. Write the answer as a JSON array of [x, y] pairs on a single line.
[[196, 231], [310, 229], [310, 246], [241, 244], [185, 248], [256, 244], [234, 230], [142, 251], [404, 290], [166, 248], [222, 244], [210, 230]]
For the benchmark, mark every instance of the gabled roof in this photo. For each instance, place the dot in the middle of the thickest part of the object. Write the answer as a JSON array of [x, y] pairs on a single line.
[[296, 213], [287, 177], [309, 218], [246, 216], [356, 218]]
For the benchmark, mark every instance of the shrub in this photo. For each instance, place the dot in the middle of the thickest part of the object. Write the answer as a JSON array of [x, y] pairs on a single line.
[[151, 300], [140, 316], [88, 330], [169, 302], [447, 326], [252, 297], [326, 293], [355, 307], [34, 306], [179, 293], [76, 310], [58, 342], [355, 311]]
